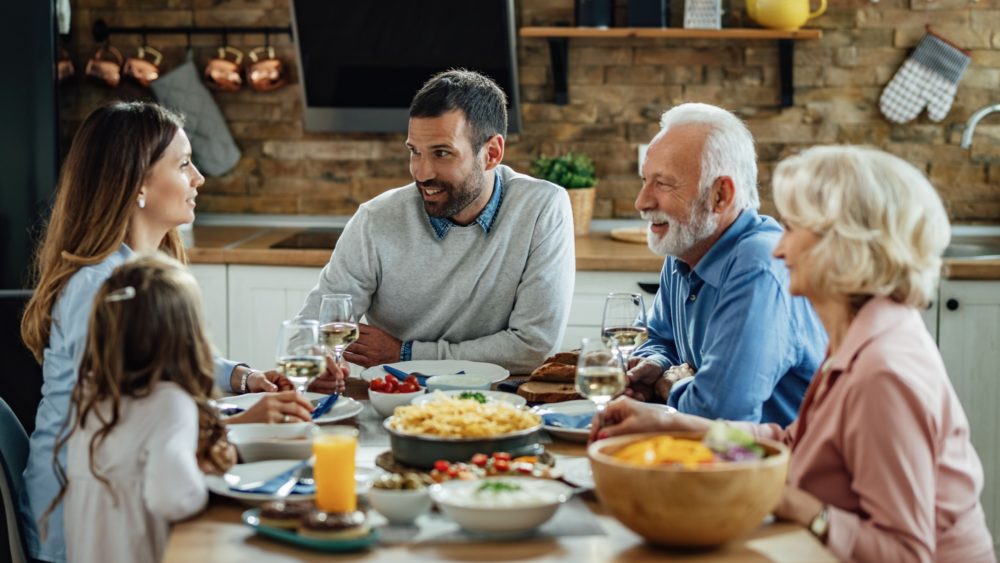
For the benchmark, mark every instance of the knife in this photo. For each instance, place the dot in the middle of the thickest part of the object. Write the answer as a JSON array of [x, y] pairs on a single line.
[[421, 378], [325, 405]]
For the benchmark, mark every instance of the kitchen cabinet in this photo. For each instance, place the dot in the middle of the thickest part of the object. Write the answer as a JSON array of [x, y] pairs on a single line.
[[213, 279], [969, 340], [587, 309], [260, 298]]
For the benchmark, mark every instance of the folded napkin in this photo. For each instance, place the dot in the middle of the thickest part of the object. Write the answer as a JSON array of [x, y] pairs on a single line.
[[272, 485], [577, 421], [325, 405]]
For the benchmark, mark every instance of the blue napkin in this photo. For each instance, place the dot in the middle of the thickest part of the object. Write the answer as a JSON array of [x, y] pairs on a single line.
[[325, 405], [271, 485], [577, 421]]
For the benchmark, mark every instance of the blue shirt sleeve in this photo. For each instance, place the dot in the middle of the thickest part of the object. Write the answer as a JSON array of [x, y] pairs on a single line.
[[747, 350], [223, 373], [661, 347]]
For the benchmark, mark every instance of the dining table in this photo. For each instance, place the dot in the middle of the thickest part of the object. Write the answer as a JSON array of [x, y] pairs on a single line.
[[218, 535]]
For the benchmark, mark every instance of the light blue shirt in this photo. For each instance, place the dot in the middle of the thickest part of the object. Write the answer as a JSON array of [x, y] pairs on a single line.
[[67, 339], [754, 347]]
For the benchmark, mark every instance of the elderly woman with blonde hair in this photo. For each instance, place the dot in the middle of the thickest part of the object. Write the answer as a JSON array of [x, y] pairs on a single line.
[[882, 468]]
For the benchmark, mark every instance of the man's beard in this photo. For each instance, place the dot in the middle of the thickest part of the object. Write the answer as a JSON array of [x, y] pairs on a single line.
[[681, 237], [458, 197]]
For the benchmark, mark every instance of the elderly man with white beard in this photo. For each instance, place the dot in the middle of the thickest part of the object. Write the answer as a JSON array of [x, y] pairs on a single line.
[[723, 306]]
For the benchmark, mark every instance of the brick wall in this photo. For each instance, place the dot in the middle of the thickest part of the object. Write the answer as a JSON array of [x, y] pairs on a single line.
[[618, 88]]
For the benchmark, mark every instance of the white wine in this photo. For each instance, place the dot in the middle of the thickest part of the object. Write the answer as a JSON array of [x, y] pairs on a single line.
[[338, 336], [301, 370], [600, 383], [627, 337]]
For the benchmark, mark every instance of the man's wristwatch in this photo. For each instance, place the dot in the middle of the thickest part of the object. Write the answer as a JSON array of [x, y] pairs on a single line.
[[820, 524]]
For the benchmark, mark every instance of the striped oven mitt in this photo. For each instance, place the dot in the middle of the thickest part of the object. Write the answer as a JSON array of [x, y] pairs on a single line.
[[928, 78]]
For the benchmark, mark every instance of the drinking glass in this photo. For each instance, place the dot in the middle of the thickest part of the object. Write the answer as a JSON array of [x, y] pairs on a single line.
[[337, 323], [600, 372], [335, 448], [300, 352], [624, 322]]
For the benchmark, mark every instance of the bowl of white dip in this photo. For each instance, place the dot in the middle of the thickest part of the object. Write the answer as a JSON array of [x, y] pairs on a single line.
[[500, 505]]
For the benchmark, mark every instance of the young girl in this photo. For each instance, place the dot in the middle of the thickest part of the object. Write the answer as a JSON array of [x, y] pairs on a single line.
[[140, 424]]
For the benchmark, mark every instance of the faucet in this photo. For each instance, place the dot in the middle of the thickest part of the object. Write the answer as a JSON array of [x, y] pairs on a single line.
[[970, 126]]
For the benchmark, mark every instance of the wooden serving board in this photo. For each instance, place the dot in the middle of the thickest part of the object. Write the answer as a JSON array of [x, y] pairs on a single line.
[[547, 392], [630, 234]]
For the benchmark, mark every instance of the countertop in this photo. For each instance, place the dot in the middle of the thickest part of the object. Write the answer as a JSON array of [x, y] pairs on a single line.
[[235, 244]]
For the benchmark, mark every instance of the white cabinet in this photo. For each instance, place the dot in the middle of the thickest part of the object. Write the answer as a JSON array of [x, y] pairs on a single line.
[[969, 339], [260, 298], [214, 288], [587, 309]]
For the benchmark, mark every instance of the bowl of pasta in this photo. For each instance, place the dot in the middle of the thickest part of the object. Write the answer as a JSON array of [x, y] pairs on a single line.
[[454, 429], [689, 490]]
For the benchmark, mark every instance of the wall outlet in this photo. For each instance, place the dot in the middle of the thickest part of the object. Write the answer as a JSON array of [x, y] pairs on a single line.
[[642, 155]]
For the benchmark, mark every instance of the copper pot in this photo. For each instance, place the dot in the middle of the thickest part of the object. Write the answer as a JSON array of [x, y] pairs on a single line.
[[144, 68], [223, 72], [265, 74], [64, 67], [105, 66]]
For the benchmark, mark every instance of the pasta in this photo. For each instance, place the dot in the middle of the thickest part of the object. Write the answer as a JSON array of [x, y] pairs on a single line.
[[462, 418]]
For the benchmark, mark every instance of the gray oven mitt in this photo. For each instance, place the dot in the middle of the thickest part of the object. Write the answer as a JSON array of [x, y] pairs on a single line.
[[215, 151]]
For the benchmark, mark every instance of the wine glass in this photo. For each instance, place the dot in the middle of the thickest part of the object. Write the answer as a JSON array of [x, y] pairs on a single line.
[[337, 323], [624, 322], [600, 372], [300, 352]]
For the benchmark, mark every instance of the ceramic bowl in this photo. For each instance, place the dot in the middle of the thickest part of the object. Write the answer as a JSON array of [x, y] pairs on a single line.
[[688, 507], [459, 383], [385, 403], [488, 514], [400, 506], [260, 442]]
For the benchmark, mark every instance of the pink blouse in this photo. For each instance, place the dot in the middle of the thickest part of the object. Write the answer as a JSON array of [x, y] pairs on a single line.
[[887, 447]]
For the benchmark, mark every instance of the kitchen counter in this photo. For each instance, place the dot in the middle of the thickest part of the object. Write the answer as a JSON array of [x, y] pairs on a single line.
[[596, 252]]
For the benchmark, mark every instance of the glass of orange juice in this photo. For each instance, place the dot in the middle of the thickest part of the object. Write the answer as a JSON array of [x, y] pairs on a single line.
[[335, 448]]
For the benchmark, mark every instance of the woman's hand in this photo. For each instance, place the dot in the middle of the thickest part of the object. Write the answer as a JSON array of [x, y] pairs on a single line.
[[286, 406], [798, 506], [333, 379], [268, 382], [628, 416]]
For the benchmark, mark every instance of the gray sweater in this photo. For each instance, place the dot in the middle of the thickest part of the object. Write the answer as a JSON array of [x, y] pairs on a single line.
[[501, 297]]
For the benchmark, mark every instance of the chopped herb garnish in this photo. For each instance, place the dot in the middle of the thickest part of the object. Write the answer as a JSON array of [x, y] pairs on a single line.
[[475, 396], [498, 487]]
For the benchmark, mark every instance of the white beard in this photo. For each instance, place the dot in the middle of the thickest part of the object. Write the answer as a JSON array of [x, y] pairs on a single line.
[[680, 237]]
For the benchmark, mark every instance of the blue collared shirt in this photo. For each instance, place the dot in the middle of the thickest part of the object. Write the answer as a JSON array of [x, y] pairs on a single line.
[[441, 227], [754, 348]]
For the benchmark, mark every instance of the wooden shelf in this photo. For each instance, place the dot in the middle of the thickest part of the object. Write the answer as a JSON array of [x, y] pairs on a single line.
[[669, 33], [559, 37]]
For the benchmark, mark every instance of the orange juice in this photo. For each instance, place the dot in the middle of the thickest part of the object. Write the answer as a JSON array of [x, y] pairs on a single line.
[[334, 472]]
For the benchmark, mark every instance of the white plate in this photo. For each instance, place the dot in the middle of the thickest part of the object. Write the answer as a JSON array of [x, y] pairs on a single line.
[[569, 408], [346, 407], [577, 472], [263, 470], [511, 398], [441, 367]]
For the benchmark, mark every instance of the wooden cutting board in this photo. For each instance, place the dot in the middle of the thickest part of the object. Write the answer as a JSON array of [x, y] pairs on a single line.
[[547, 392], [630, 234]]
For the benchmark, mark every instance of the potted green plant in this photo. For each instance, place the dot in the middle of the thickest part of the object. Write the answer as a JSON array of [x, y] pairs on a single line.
[[575, 172]]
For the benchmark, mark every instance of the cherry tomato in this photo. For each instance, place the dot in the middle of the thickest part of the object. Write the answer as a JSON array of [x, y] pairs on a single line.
[[391, 386], [391, 379], [501, 456], [377, 384], [442, 465], [412, 379], [479, 460], [501, 465], [408, 387], [453, 472]]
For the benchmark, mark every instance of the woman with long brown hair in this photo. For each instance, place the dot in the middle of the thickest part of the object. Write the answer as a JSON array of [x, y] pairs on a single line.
[[126, 185]]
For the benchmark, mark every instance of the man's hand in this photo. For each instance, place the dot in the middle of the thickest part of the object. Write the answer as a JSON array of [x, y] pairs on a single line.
[[373, 347], [642, 376], [268, 382], [670, 378], [333, 379]]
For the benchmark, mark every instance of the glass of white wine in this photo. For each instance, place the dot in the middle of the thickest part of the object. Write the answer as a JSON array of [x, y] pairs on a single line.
[[624, 322], [300, 352], [337, 323], [600, 372]]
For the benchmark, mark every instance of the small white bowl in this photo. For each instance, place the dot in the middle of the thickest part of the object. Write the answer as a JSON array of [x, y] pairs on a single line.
[[459, 383], [259, 442], [542, 499], [498, 396], [400, 506], [386, 403]]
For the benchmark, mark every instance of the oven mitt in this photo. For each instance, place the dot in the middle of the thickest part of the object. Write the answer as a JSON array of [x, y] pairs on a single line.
[[928, 78], [215, 151]]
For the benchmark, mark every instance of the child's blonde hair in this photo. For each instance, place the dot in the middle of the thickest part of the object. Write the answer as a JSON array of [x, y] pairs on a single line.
[[145, 327]]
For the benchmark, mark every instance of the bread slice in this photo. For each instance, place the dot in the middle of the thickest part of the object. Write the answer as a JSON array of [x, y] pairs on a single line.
[[554, 372]]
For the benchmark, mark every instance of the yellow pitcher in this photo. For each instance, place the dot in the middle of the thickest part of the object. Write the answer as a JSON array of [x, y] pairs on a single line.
[[787, 15]]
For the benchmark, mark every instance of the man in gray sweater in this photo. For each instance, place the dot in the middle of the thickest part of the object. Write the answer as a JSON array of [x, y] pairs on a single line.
[[472, 260]]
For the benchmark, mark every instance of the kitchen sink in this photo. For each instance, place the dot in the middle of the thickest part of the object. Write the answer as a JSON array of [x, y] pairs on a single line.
[[974, 248], [311, 239]]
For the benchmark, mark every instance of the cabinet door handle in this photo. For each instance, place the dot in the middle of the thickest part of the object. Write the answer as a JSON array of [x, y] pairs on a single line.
[[649, 287], [951, 304]]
